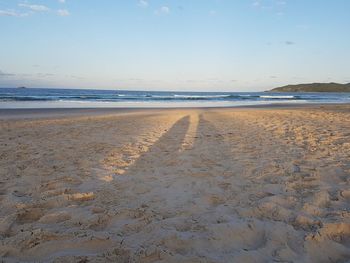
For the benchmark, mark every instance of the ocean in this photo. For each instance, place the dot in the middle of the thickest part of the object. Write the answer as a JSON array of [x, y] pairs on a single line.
[[12, 98]]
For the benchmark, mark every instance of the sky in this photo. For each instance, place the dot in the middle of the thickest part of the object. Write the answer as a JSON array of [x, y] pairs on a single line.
[[189, 45]]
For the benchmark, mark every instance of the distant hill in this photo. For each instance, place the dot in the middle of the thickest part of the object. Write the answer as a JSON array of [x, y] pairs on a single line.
[[314, 87]]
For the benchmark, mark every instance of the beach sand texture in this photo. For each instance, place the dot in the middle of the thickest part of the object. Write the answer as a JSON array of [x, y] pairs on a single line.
[[218, 185]]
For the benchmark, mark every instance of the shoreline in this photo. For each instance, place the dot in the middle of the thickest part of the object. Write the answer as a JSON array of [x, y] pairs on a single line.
[[34, 113]]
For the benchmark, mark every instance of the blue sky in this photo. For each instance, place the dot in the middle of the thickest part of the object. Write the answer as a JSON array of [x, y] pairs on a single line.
[[199, 45]]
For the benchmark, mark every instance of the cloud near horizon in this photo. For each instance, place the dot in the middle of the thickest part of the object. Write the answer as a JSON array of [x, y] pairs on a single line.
[[3, 74]]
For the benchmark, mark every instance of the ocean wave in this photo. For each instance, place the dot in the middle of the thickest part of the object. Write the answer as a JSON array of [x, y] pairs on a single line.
[[141, 97], [278, 97], [201, 96], [42, 95], [24, 98]]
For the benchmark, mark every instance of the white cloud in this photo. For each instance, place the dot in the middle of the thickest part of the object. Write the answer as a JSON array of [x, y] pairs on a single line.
[[143, 3], [63, 12], [62, 1], [10, 13], [163, 10], [36, 8]]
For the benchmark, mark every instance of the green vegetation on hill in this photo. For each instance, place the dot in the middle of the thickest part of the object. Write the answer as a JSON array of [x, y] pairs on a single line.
[[314, 87]]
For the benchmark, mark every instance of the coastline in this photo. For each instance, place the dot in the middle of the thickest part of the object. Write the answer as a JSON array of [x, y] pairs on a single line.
[[76, 98], [71, 112]]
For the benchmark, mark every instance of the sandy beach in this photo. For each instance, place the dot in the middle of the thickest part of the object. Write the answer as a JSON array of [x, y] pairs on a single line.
[[181, 185]]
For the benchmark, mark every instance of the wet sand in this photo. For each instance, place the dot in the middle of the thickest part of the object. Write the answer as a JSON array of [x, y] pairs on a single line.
[[182, 185]]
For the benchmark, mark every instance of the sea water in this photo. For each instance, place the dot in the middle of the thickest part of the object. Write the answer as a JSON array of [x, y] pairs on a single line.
[[94, 98]]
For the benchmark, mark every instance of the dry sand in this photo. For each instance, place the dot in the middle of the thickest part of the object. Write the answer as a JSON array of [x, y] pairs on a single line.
[[219, 185]]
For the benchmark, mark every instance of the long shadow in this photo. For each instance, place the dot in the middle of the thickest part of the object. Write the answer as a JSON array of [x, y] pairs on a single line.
[[214, 149], [209, 149], [166, 148]]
